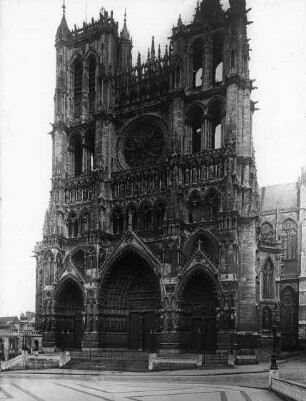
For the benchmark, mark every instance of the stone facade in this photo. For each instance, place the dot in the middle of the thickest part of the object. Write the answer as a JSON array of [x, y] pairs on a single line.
[[151, 238]]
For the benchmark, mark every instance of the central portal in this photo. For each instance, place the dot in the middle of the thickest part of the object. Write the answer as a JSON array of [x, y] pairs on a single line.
[[129, 304]]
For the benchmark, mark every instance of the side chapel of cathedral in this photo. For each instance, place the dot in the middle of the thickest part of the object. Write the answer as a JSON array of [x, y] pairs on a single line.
[[157, 235]]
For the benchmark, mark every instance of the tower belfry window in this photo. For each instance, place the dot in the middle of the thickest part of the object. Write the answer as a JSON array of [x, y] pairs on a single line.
[[196, 134], [218, 44], [90, 150], [197, 63], [215, 126], [76, 153], [92, 83], [77, 92]]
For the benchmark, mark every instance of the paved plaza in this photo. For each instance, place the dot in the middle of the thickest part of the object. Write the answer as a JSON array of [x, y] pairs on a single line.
[[76, 388], [243, 383]]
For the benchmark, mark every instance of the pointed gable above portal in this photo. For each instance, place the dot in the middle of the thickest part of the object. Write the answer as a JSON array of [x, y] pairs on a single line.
[[132, 241]]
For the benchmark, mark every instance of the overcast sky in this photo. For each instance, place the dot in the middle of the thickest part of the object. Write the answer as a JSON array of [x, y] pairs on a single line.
[[27, 83]]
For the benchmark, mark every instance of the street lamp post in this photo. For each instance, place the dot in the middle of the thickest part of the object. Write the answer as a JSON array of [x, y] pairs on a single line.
[[273, 372]]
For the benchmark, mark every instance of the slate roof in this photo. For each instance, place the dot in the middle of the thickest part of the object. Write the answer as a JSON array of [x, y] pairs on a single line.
[[283, 196]]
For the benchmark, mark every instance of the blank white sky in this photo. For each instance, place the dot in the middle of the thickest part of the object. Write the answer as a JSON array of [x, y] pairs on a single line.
[[27, 81]]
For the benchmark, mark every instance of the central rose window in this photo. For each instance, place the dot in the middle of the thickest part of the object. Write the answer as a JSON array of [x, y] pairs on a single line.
[[144, 145]]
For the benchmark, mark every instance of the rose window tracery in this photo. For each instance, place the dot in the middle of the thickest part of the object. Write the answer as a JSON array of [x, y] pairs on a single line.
[[144, 145]]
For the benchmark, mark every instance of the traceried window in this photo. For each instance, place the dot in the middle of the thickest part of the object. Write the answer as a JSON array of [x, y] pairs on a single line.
[[268, 280], [289, 239], [267, 234]]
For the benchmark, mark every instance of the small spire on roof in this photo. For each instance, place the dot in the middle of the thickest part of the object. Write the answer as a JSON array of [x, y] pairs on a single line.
[[153, 49], [125, 33], [64, 7]]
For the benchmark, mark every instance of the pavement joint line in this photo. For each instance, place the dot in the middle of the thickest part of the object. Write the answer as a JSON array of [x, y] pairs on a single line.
[[245, 396], [223, 396], [6, 394], [84, 392], [35, 397]]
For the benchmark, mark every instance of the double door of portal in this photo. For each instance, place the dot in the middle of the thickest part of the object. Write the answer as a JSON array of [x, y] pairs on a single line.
[[142, 331], [203, 334]]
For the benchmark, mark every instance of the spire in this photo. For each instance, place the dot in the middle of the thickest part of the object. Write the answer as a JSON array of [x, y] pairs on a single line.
[[139, 60], [153, 49], [179, 22], [125, 33], [63, 32]]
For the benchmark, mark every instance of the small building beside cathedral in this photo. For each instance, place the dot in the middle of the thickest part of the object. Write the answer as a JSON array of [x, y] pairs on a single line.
[[157, 236]]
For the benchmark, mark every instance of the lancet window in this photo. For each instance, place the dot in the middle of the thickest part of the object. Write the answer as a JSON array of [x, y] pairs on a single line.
[[72, 225]]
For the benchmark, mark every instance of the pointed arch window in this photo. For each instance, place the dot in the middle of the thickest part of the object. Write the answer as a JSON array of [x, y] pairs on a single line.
[[214, 126], [196, 133], [76, 155], [268, 280], [146, 217], [91, 83], [89, 157], [159, 213], [77, 87], [289, 240], [218, 45], [198, 51]]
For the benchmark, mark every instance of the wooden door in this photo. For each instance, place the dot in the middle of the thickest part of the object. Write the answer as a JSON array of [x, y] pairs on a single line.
[[134, 330], [149, 331], [211, 334], [198, 335], [78, 332]]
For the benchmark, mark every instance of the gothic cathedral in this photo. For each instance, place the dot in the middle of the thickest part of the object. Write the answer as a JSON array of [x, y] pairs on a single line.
[[152, 239]]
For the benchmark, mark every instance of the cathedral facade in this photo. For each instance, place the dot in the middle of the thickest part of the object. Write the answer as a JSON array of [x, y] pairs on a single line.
[[153, 238]]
